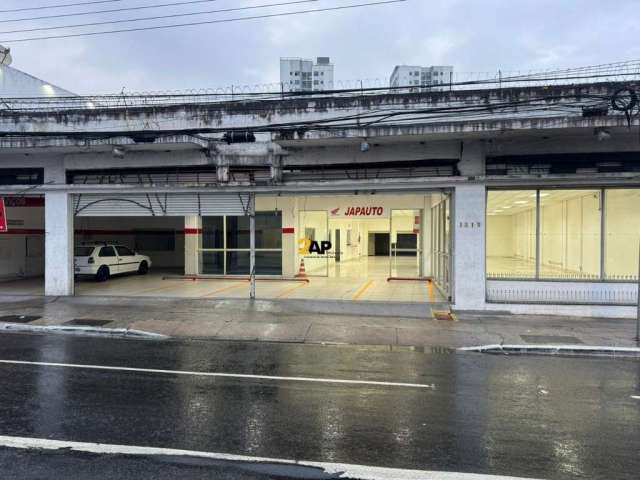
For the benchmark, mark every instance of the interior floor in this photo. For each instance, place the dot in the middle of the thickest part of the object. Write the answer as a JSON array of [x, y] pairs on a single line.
[[512, 267], [362, 279]]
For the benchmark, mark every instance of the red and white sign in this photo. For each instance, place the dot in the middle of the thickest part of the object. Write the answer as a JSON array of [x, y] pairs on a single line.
[[3, 217]]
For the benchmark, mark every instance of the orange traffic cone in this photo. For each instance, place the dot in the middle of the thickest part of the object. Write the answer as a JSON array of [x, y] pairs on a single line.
[[302, 273]]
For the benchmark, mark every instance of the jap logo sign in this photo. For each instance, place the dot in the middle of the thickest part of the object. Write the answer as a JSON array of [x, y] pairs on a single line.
[[3, 216], [308, 246]]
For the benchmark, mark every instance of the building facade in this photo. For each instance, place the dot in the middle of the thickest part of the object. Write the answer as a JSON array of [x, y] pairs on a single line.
[[300, 75], [527, 210], [415, 76]]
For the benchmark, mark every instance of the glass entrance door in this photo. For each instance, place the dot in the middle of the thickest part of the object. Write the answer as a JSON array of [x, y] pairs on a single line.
[[314, 229], [441, 244], [405, 244]]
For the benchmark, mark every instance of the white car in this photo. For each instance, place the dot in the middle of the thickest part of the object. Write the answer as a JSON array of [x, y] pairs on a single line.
[[101, 260]]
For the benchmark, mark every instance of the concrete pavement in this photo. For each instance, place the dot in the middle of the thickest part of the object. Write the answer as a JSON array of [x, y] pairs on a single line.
[[353, 323]]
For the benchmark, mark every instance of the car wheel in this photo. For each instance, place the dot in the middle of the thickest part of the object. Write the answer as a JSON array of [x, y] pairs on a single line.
[[103, 274], [143, 268]]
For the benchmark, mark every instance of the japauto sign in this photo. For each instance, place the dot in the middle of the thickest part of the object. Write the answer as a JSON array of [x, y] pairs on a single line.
[[358, 211], [3, 216]]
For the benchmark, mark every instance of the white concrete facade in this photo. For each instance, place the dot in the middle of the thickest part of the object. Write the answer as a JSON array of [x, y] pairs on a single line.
[[59, 277]]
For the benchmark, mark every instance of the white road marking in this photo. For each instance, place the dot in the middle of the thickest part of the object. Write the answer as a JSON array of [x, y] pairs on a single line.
[[219, 374], [342, 470], [635, 397]]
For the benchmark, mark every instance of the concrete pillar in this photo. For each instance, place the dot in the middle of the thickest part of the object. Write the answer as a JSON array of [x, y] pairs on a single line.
[[472, 159], [192, 236], [290, 235], [222, 168], [58, 265], [469, 247]]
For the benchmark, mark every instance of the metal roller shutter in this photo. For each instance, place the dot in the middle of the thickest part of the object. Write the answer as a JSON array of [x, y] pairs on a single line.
[[161, 204]]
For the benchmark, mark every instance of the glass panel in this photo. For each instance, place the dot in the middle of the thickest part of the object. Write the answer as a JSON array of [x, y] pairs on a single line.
[[622, 231], [212, 232], [511, 234], [212, 263], [405, 241], [238, 263], [268, 230], [570, 234], [238, 232], [268, 263], [314, 227]]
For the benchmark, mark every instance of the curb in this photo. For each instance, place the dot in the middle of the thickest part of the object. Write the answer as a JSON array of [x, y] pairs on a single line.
[[577, 350], [78, 330]]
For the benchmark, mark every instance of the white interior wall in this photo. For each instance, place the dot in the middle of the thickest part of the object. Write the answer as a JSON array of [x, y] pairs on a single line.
[[22, 248], [622, 240]]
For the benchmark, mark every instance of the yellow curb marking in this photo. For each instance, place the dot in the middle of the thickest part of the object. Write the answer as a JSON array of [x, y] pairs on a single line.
[[364, 288], [289, 291], [225, 289], [432, 297]]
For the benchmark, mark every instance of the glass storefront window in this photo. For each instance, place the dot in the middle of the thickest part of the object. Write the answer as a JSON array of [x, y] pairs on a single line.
[[237, 232], [622, 238], [269, 230], [212, 263], [511, 234], [238, 263], [225, 245], [212, 232], [268, 263], [570, 228]]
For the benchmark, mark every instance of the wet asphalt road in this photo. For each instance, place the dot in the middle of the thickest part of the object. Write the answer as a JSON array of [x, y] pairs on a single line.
[[503, 415]]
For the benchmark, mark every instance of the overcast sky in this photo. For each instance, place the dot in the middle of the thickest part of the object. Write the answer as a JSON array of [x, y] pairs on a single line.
[[471, 35]]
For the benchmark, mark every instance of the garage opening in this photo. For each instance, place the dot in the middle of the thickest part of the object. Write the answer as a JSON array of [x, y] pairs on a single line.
[[22, 246]]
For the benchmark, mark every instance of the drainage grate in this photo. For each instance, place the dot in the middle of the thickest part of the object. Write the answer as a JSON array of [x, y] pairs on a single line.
[[442, 315], [87, 322], [18, 318], [552, 339]]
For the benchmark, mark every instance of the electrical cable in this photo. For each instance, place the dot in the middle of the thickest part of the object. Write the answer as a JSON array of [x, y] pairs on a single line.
[[49, 7], [208, 22], [113, 10], [159, 17]]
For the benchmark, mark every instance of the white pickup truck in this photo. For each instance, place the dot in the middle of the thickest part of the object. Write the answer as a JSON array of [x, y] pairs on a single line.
[[101, 260]]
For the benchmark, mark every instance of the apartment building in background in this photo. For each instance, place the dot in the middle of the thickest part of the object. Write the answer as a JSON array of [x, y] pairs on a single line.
[[411, 75], [302, 75]]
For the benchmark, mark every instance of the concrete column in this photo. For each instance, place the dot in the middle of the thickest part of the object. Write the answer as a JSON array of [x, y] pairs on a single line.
[[289, 236], [192, 236], [58, 265], [469, 247], [472, 159]]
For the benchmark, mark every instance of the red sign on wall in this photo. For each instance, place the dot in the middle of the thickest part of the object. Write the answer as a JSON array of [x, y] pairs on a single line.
[[3, 217]]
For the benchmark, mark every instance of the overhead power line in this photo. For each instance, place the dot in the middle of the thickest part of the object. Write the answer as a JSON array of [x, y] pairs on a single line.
[[208, 22], [49, 7], [159, 17], [112, 10]]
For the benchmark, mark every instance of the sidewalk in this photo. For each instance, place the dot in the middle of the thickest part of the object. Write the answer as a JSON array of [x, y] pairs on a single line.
[[353, 323]]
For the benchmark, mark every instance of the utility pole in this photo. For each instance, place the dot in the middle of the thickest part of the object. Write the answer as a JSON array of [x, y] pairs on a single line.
[[252, 245]]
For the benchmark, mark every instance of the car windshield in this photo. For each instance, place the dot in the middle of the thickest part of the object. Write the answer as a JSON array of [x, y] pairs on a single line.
[[83, 251]]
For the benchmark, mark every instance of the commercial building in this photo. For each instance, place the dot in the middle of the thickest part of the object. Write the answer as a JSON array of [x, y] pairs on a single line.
[[300, 75], [527, 202], [411, 75]]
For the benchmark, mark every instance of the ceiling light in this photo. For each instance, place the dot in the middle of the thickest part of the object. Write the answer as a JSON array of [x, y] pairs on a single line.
[[521, 202]]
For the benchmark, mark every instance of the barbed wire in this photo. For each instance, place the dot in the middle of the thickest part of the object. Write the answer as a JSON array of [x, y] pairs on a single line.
[[628, 71]]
